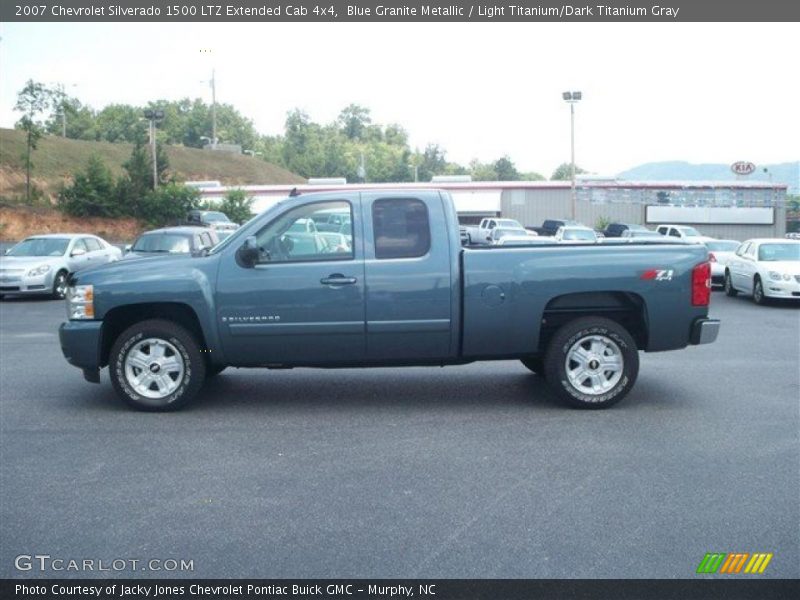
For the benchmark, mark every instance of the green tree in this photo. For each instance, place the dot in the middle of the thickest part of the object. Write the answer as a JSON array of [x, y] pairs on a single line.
[[33, 100], [564, 172], [532, 176], [169, 204], [432, 162], [80, 119], [137, 182], [237, 205], [482, 171], [92, 193], [353, 121], [120, 123], [505, 169]]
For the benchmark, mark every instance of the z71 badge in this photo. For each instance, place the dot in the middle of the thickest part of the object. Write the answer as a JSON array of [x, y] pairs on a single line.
[[658, 275]]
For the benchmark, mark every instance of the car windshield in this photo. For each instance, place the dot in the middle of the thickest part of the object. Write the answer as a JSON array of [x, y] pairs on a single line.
[[508, 224], [774, 252], [579, 234], [689, 231], [162, 242], [498, 233], [722, 246], [215, 217], [40, 247]]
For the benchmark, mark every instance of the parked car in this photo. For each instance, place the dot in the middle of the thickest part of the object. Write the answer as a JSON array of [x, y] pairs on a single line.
[[575, 234], [482, 234], [407, 294], [617, 229], [173, 240], [551, 226], [523, 240], [720, 253], [211, 218], [766, 268], [499, 233], [41, 264], [336, 241], [683, 232]]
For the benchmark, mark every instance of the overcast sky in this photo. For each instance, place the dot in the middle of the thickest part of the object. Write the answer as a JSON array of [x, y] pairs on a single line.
[[652, 92]]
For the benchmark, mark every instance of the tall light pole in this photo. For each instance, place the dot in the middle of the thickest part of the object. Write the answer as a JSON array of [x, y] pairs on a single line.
[[213, 83], [153, 116], [62, 104], [572, 98]]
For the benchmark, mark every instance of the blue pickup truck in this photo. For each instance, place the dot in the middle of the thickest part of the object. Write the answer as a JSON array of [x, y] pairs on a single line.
[[404, 292]]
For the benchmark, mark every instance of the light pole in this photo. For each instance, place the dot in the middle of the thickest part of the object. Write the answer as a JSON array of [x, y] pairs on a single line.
[[213, 83], [62, 104], [572, 98], [153, 116]]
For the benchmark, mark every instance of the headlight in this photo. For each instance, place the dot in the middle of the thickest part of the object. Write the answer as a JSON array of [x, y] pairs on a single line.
[[80, 302], [774, 275], [40, 270]]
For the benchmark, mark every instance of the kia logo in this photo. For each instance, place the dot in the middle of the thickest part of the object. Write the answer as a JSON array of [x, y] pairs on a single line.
[[743, 168]]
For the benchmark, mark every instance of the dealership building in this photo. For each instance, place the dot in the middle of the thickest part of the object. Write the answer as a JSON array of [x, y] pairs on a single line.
[[727, 210]]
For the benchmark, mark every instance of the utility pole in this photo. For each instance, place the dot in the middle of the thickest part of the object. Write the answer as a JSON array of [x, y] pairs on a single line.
[[572, 98], [153, 116], [213, 110]]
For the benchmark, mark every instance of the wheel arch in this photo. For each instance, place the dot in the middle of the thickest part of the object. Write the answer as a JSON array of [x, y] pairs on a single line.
[[120, 318], [626, 308]]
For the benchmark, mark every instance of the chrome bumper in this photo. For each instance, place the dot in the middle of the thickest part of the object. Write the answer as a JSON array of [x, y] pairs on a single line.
[[704, 331]]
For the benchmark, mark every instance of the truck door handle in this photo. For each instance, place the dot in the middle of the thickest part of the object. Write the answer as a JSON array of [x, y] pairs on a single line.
[[337, 279]]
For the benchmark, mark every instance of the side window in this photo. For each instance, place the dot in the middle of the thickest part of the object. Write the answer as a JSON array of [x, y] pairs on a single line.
[[491, 224], [80, 245], [293, 236], [401, 228], [92, 245], [205, 240], [674, 232]]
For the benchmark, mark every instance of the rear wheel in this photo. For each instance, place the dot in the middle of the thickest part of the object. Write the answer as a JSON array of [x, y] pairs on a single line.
[[591, 362], [535, 364], [758, 291], [729, 289], [59, 291], [156, 365]]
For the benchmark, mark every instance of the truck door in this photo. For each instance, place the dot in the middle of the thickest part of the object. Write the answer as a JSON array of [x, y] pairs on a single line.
[[303, 301], [408, 272]]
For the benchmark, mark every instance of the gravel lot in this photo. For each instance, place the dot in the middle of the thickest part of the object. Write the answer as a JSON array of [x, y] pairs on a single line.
[[470, 471]]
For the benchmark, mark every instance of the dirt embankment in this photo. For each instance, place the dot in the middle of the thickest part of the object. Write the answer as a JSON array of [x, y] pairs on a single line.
[[17, 222]]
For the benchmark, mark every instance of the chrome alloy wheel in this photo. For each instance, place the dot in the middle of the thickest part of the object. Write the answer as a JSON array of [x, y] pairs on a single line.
[[594, 365], [154, 368]]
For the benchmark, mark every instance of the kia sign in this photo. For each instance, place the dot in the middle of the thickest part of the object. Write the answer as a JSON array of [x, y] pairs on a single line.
[[743, 168]]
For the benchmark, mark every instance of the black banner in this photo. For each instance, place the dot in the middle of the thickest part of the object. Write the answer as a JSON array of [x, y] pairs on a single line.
[[374, 11], [362, 589]]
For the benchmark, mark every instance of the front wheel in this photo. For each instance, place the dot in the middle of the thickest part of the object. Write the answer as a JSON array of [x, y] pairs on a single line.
[[729, 289], [156, 365], [59, 291], [758, 292], [591, 362]]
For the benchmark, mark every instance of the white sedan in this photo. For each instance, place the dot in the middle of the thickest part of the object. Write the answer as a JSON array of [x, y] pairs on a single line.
[[720, 253], [765, 268], [41, 264]]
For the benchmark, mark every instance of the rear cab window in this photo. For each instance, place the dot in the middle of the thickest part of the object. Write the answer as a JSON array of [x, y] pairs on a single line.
[[401, 227]]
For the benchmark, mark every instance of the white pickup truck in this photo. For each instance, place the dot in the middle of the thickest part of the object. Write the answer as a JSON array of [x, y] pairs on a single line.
[[482, 234]]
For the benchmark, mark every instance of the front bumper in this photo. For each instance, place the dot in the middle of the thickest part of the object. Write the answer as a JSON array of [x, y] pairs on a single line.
[[80, 344], [781, 289], [704, 331], [40, 284]]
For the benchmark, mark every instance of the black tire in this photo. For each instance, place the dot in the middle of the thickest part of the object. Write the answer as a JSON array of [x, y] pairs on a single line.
[[59, 290], [214, 371], [758, 291], [534, 364], [194, 365], [611, 337], [728, 285]]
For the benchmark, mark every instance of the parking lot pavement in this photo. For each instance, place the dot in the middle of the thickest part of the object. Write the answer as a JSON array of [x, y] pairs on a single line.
[[468, 471]]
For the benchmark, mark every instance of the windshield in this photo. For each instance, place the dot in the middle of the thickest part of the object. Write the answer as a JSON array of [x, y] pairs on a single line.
[[40, 247], [162, 242], [215, 216], [499, 233], [689, 231], [508, 224], [579, 234], [774, 252], [722, 246]]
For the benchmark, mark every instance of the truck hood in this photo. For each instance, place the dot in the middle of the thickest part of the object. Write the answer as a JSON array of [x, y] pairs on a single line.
[[144, 269]]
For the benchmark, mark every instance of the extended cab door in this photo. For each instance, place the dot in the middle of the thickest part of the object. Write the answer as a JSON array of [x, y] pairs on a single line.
[[408, 272], [302, 303]]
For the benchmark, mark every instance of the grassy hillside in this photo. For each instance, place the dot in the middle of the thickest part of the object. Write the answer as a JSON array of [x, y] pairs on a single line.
[[57, 158]]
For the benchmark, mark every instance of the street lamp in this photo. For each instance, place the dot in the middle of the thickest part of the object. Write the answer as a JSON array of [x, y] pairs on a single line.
[[572, 98], [154, 115], [62, 104]]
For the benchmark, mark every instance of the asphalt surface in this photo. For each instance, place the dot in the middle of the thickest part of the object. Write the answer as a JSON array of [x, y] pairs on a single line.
[[471, 471]]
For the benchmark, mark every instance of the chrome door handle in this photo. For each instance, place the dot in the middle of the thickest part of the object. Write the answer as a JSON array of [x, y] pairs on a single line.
[[337, 279]]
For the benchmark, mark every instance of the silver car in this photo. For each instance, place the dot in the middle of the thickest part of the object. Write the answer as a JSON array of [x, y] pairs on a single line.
[[41, 264]]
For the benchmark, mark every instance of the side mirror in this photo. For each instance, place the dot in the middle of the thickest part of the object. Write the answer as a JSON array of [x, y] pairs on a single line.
[[248, 251], [128, 248], [78, 252]]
